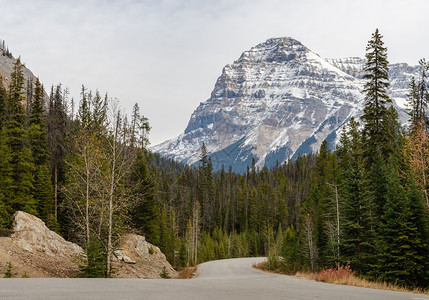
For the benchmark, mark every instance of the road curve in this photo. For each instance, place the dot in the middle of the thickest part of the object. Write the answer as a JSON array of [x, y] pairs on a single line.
[[222, 279]]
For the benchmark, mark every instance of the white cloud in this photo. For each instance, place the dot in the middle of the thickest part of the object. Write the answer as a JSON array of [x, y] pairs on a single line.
[[166, 55]]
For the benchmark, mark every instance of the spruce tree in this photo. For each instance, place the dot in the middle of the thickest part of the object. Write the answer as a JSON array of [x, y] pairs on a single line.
[[402, 241], [57, 120], [418, 97], [5, 181], [20, 196], [3, 97], [135, 124], [5, 168], [42, 190], [319, 204], [95, 266], [358, 219], [381, 129], [145, 213], [376, 98]]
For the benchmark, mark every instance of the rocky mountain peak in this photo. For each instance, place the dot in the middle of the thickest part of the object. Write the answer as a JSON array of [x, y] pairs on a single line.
[[277, 100], [274, 50]]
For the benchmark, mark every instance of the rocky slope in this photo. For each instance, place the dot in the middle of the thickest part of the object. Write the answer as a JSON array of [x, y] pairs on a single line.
[[36, 251], [6, 68], [279, 99]]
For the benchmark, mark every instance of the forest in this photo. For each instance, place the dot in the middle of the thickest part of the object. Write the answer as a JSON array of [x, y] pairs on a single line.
[[86, 171]]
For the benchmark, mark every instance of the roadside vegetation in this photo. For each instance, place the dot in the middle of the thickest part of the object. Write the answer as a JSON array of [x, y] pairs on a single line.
[[342, 275]]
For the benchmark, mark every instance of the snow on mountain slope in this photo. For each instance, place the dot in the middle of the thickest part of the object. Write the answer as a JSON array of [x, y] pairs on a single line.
[[279, 99], [400, 75]]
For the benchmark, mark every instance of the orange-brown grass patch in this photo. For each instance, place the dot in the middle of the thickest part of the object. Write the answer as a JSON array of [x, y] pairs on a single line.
[[344, 275], [187, 273], [261, 266]]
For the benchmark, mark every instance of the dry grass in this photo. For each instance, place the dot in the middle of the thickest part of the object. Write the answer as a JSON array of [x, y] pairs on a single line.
[[345, 276], [261, 266], [187, 273]]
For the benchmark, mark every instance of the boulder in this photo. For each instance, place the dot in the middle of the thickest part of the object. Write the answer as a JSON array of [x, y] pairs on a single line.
[[137, 258], [119, 255], [33, 235]]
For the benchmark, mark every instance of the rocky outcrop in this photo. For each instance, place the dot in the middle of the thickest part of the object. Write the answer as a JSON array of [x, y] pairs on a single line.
[[137, 258], [31, 234], [278, 100], [6, 68], [36, 251]]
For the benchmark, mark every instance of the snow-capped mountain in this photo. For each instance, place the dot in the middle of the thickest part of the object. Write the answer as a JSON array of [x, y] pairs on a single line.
[[279, 99]]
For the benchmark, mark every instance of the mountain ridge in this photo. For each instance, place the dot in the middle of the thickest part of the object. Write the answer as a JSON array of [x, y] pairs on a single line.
[[276, 101]]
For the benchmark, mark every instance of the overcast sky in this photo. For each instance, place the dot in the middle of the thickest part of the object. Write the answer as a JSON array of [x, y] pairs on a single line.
[[166, 55]]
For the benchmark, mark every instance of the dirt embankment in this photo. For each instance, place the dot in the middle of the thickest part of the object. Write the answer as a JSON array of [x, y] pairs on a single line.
[[35, 251]]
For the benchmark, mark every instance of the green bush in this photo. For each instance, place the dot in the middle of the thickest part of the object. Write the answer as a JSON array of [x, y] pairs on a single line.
[[164, 273], [9, 273], [96, 264], [290, 252]]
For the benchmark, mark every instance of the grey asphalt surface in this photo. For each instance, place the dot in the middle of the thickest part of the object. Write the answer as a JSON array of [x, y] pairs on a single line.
[[223, 279]]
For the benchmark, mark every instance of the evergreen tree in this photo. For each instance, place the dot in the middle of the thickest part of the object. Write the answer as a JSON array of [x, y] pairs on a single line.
[[5, 176], [145, 214], [381, 129], [3, 100], [42, 187], [135, 124], [418, 97], [414, 104], [5, 181], [321, 205], [376, 98], [290, 253], [98, 119], [19, 196], [358, 219], [95, 266], [402, 244], [56, 140]]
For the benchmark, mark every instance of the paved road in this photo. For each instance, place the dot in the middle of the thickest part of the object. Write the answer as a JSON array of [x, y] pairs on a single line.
[[224, 279]]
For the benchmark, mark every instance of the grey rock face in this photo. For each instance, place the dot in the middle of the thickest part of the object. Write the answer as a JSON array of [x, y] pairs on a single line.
[[278, 100], [32, 234], [6, 68]]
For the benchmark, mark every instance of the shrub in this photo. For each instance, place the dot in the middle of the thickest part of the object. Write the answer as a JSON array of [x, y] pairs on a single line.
[[341, 274], [96, 265], [274, 262], [9, 273], [164, 273], [151, 250]]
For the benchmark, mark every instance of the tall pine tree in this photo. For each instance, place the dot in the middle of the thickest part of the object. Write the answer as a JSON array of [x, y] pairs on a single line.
[[57, 120], [358, 220], [42, 187], [20, 196], [376, 98], [402, 249]]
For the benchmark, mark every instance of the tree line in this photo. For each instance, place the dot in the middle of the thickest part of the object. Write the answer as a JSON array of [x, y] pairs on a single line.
[[77, 171], [364, 205], [88, 175]]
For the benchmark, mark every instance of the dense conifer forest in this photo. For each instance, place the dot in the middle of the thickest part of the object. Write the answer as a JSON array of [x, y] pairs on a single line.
[[83, 167]]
